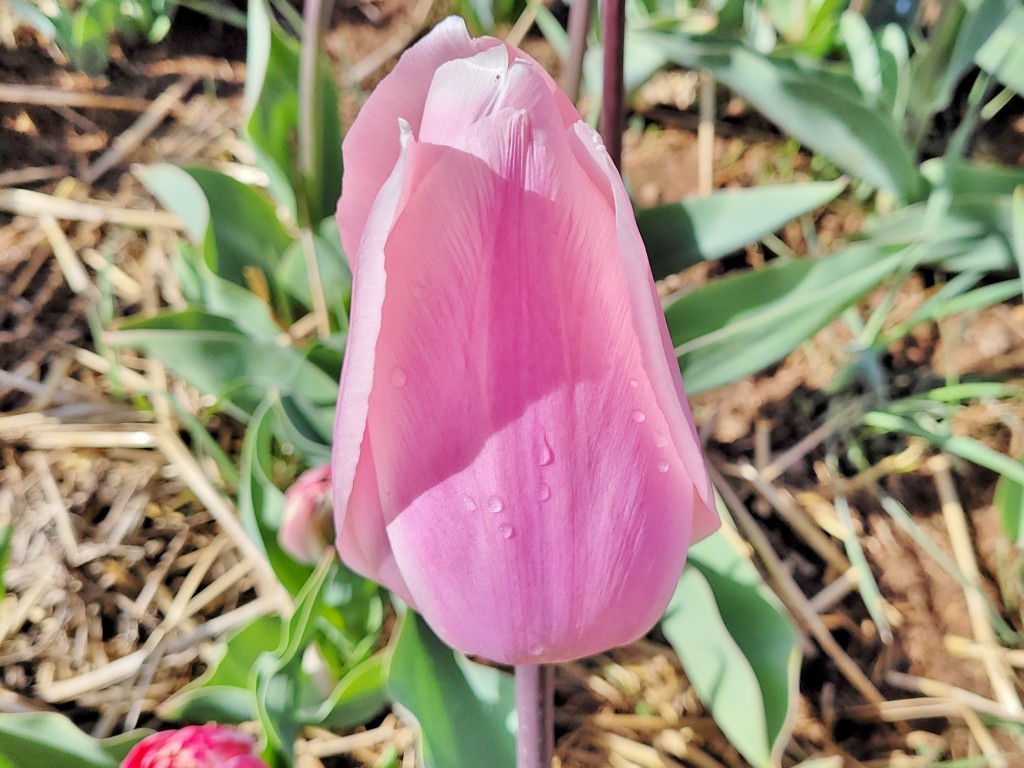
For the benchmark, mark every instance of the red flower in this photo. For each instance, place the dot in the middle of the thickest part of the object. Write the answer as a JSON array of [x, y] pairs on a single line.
[[195, 746]]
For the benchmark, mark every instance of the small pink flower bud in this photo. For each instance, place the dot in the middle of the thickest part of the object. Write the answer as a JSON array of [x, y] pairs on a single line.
[[307, 530]]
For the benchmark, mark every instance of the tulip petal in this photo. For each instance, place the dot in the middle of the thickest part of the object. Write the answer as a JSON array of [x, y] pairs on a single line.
[[507, 334], [375, 133], [656, 345], [362, 538]]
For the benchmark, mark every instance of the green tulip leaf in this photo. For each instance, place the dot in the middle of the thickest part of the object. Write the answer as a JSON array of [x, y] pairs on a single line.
[[739, 649], [819, 105], [679, 235], [272, 93], [356, 698], [1009, 500], [1002, 55], [283, 689], [47, 739], [224, 692], [351, 607], [965, 447], [217, 357], [6, 529], [741, 323], [466, 711], [953, 44], [335, 278]]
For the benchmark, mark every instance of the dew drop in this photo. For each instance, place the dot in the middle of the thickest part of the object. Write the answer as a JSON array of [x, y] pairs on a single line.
[[536, 649], [663, 467], [639, 417], [634, 383], [506, 531], [544, 491], [495, 505], [544, 453], [660, 440], [467, 500], [398, 377]]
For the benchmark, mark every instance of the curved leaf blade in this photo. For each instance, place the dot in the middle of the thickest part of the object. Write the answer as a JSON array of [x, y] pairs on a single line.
[[739, 649], [741, 323], [465, 711], [819, 106], [679, 235]]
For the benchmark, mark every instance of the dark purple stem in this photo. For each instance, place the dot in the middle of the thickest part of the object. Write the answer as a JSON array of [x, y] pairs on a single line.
[[579, 25], [613, 33], [535, 706], [311, 13]]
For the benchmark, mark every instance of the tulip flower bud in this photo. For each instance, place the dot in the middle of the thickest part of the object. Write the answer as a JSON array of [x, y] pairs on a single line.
[[307, 529], [195, 746], [513, 452]]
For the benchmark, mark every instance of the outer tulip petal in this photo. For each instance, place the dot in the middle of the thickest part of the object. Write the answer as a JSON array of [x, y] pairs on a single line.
[[649, 324], [513, 453], [550, 462], [403, 95], [375, 133], [362, 539]]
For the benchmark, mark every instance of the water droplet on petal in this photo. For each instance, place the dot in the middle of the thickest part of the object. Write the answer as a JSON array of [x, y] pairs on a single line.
[[634, 383], [506, 531], [544, 491], [544, 453], [467, 500], [639, 417], [495, 505], [663, 467], [660, 440], [536, 649], [398, 377]]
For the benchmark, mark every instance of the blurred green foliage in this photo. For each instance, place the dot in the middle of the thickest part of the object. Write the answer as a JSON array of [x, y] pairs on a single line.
[[83, 30]]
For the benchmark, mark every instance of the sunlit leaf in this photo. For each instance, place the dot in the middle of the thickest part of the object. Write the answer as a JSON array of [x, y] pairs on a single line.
[[738, 648], [465, 711], [679, 235], [272, 128], [741, 323], [48, 739], [213, 354], [1002, 55], [817, 104]]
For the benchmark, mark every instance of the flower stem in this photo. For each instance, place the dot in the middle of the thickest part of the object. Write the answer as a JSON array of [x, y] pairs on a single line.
[[535, 707], [613, 33], [579, 27]]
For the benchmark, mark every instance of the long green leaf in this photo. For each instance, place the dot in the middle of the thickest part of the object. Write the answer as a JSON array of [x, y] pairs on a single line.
[[740, 324], [958, 445], [223, 693], [272, 127], [739, 649], [821, 107], [465, 711], [46, 740], [679, 235], [1002, 55], [213, 354]]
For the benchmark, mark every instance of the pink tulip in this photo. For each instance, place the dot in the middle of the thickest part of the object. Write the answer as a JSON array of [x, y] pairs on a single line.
[[513, 452], [306, 530], [195, 746]]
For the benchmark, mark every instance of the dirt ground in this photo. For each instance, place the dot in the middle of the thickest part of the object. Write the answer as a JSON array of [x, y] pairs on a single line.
[[119, 552]]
